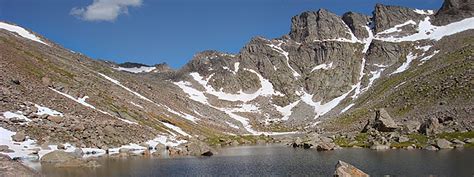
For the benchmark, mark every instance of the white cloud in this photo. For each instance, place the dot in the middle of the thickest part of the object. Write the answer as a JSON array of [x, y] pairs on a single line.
[[104, 10]]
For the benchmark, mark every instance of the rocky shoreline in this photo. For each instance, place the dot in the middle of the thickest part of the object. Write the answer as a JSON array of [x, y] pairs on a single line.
[[384, 133]]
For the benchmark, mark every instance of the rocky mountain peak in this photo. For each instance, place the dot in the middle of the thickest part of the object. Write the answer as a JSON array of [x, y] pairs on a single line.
[[386, 16], [320, 25], [454, 10], [357, 23]]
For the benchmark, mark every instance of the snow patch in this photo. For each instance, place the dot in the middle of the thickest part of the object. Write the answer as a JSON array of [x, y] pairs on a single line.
[[321, 109], [44, 110], [137, 105], [410, 57], [126, 88], [424, 12], [286, 111], [141, 69], [17, 115], [322, 66], [428, 31], [278, 49], [347, 108], [266, 89], [22, 32], [82, 101], [175, 128]]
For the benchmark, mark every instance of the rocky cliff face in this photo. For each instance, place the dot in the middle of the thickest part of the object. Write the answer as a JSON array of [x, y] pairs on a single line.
[[328, 73]]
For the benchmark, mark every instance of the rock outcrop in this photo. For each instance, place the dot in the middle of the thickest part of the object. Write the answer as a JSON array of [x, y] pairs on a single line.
[[344, 169], [320, 25], [454, 10]]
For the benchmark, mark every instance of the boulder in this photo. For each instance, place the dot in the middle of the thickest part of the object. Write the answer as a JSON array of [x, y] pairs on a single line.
[[323, 146], [410, 127], [55, 119], [61, 146], [19, 137], [344, 169], [78, 152], [198, 148], [443, 144], [403, 139], [9, 167], [5, 148], [431, 148], [377, 146], [383, 121], [431, 127], [470, 141], [58, 156]]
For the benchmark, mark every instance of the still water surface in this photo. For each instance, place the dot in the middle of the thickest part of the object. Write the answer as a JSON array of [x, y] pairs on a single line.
[[275, 160]]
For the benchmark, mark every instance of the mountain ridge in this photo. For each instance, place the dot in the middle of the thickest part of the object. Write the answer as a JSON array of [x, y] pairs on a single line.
[[328, 73]]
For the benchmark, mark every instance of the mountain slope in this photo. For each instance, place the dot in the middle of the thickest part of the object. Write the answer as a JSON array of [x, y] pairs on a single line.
[[328, 73]]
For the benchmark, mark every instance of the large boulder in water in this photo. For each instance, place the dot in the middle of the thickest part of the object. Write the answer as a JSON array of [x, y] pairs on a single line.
[[58, 157], [344, 169], [198, 148]]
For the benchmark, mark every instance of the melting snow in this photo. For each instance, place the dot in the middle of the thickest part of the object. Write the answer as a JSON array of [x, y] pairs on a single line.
[[183, 115], [175, 128], [22, 32], [83, 102], [18, 115], [424, 12], [126, 88], [78, 100], [322, 66], [265, 90], [44, 110], [137, 105], [232, 125], [367, 43], [347, 108], [194, 94], [286, 111], [424, 59], [410, 57], [141, 69], [321, 109], [428, 31], [236, 67], [375, 75], [278, 49]]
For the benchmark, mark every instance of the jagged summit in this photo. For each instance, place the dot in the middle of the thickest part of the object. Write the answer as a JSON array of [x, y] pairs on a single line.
[[329, 73], [454, 10]]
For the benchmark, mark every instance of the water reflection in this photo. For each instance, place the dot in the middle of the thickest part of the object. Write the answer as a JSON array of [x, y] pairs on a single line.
[[284, 161]]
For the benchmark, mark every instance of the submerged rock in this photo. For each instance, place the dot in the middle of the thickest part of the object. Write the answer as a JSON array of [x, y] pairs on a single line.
[[344, 169]]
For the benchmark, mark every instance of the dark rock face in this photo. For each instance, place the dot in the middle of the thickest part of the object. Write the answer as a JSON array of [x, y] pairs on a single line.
[[357, 23], [320, 25], [131, 65], [454, 10], [386, 17]]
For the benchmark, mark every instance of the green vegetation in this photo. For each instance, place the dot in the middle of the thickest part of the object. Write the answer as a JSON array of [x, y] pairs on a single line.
[[241, 139], [456, 135]]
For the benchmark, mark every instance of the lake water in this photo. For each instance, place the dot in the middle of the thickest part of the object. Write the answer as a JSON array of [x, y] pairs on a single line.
[[275, 160]]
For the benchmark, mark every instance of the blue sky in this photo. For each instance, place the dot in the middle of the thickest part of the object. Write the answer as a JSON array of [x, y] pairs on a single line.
[[171, 31]]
